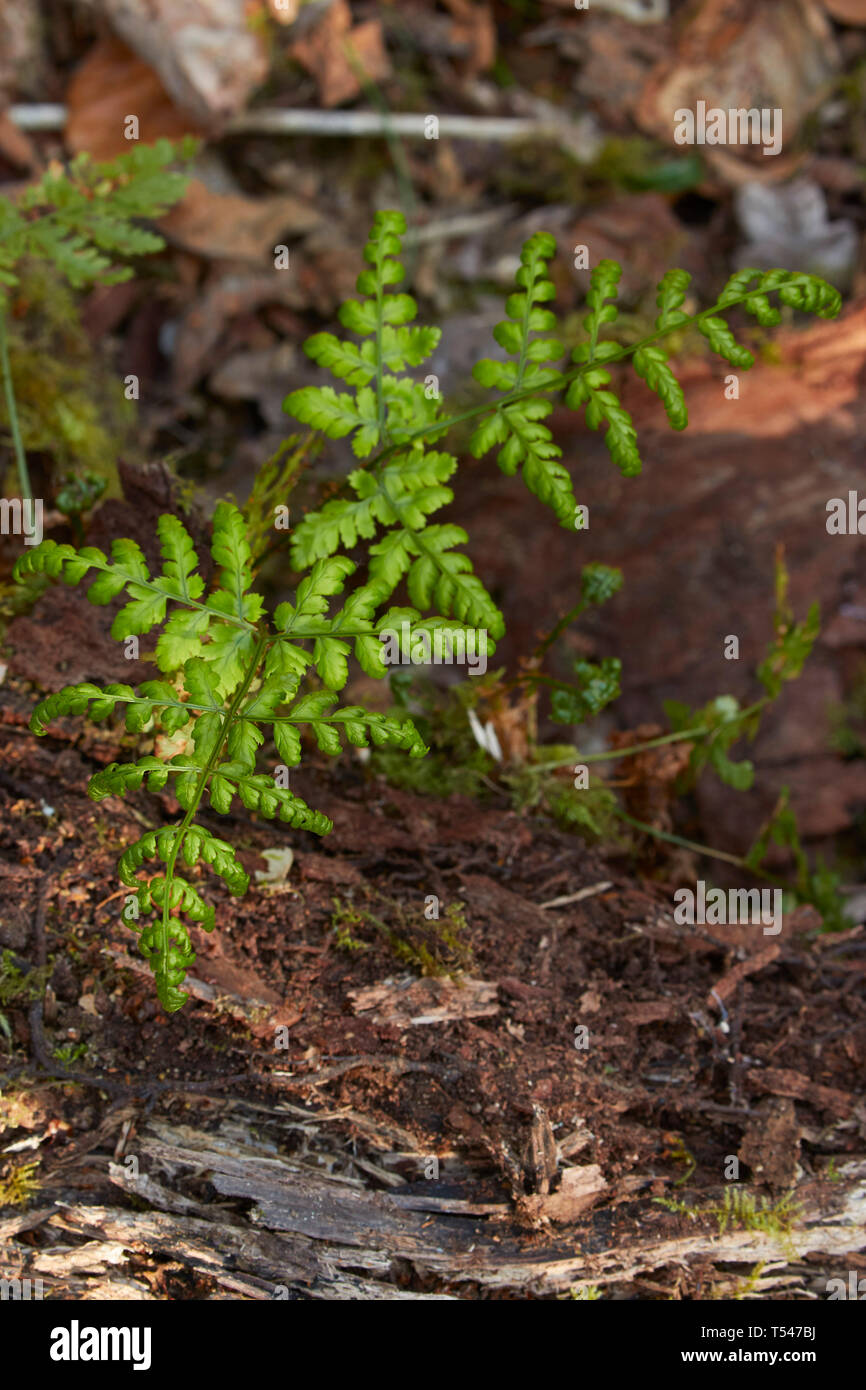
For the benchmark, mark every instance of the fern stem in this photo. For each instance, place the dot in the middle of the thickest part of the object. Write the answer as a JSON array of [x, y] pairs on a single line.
[[671, 839], [615, 754], [380, 366], [678, 736], [12, 411], [207, 770], [183, 599], [524, 326], [547, 642], [737, 860]]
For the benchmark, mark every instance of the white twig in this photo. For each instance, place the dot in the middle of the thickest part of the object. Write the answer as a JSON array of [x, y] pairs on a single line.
[[578, 897], [44, 116], [276, 121], [576, 136]]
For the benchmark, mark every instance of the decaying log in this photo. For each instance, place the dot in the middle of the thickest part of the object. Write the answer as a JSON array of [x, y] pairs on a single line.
[[314, 1234]]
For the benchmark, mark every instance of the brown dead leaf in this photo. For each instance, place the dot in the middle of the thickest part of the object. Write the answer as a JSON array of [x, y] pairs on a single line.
[[728, 50], [206, 53], [231, 226], [208, 317], [15, 146], [257, 374], [474, 30], [640, 230], [110, 84], [847, 11], [337, 54], [648, 779]]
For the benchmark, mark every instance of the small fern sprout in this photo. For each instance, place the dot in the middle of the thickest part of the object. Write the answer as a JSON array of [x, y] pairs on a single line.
[[229, 675]]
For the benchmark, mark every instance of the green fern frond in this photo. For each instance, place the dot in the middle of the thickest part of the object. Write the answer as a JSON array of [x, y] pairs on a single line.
[[397, 415], [525, 442], [402, 493], [84, 219], [233, 677], [220, 627]]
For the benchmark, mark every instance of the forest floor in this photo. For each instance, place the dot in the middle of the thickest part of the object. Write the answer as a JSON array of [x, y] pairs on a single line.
[[544, 1091], [541, 1091]]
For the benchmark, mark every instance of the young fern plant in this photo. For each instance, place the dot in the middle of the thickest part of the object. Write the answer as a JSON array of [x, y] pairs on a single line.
[[231, 673], [395, 422], [85, 220]]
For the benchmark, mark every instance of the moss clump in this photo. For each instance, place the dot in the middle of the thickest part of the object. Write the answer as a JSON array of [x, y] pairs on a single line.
[[434, 947], [71, 410]]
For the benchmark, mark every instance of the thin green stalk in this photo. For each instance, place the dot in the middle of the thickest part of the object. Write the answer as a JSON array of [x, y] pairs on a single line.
[[380, 370], [737, 860], [206, 772], [547, 642], [672, 839], [12, 411], [615, 754]]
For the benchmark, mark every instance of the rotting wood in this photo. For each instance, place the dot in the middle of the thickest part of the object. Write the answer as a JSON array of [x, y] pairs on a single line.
[[330, 1237], [409, 1002]]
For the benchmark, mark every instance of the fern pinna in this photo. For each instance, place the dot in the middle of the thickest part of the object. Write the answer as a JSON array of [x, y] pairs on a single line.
[[231, 672]]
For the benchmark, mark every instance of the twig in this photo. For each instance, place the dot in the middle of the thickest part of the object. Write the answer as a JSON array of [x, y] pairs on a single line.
[[146, 1089], [578, 897], [37, 937], [399, 1065], [276, 121], [302, 121], [449, 228], [36, 116]]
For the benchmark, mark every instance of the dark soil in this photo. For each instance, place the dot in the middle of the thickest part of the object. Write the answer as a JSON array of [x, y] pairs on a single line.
[[672, 1080]]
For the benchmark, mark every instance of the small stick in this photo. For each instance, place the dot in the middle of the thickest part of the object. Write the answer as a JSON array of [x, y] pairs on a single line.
[[578, 897], [574, 135]]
